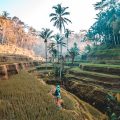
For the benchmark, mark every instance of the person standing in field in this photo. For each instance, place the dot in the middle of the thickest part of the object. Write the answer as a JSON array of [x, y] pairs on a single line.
[[57, 94]]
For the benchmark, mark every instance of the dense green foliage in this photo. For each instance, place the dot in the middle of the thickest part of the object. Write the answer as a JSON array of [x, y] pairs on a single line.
[[106, 29], [74, 51], [104, 34]]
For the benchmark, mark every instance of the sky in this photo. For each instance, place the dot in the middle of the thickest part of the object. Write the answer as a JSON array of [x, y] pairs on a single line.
[[35, 13]]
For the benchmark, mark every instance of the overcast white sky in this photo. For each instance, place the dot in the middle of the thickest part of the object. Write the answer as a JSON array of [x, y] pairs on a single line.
[[36, 12]]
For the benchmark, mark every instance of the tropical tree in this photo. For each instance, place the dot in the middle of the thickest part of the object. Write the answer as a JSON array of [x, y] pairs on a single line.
[[59, 41], [62, 43], [46, 34], [52, 50], [67, 34], [60, 20], [57, 38], [106, 28], [67, 56], [5, 14], [59, 17], [74, 51], [87, 49]]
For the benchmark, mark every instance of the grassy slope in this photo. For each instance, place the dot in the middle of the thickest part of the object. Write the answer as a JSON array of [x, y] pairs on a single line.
[[23, 97], [101, 65], [108, 52], [86, 80], [78, 70]]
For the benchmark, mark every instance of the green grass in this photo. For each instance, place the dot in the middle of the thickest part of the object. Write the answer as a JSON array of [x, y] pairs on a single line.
[[23, 97], [109, 52], [86, 80], [48, 65], [100, 65], [42, 67], [104, 55], [78, 70], [101, 68], [110, 62], [106, 86]]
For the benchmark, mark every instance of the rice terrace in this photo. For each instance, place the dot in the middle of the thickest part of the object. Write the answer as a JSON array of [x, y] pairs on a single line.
[[60, 60]]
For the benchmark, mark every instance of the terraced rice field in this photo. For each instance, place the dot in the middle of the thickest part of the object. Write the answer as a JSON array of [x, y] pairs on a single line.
[[108, 81], [93, 82], [23, 97]]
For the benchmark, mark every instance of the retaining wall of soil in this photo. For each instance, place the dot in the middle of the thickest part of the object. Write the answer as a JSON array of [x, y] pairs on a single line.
[[96, 97], [7, 70], [13, 58], [106, 70]]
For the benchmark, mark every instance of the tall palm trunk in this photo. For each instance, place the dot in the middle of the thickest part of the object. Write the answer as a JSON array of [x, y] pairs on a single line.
[[67, 50], [61, 57], [67, 44], [114, 40], [60, 61], [117, 39], [46, 53], [58, 52]]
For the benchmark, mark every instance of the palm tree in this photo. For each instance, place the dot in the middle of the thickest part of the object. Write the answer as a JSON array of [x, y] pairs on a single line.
[[63, 44], [52, 50], [67, 34], [51, 47], [74, 51], [46, 34], [5, 14], [58, 38], [59, 19], [67, 56]]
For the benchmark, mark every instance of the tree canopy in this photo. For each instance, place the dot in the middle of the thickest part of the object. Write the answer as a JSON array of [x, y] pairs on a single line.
[[106, 29]]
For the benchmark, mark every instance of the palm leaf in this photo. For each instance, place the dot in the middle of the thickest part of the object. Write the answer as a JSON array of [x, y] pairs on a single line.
[[68, 20], [66, 13], [53, 19], [65, 21], [58, 18], [64, 8], [52, 14]]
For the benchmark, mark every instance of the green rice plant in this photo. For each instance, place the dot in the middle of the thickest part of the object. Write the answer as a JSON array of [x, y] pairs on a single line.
[[23, 97]]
